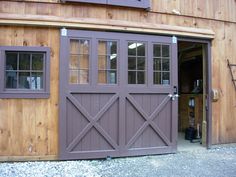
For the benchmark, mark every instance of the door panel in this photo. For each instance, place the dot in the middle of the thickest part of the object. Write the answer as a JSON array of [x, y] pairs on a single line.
[[107, 112]]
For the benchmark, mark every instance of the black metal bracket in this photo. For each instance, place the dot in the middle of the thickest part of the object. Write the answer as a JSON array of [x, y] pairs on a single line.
[[232, 75]]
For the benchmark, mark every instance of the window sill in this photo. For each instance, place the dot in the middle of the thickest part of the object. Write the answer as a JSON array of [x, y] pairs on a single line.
[[27, 95]]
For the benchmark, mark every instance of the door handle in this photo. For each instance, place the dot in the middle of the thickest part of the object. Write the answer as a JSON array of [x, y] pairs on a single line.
[[173, 96], [175, 90]]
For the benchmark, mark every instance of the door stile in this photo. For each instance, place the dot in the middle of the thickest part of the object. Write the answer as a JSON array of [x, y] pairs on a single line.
[[122, 98], [174, 70], [62, 100]]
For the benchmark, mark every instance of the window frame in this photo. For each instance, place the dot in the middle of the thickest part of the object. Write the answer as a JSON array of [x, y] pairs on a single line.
[[141, 4], [24, 93], [89, 60], [117, 60], [161, 58], [136, 56]]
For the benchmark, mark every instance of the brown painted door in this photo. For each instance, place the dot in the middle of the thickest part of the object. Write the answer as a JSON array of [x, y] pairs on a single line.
[[116, 95]]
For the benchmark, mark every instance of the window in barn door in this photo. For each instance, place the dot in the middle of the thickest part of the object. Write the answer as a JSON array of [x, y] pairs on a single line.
[[79, 61], [107, 62], [136, 63], [161, 64]]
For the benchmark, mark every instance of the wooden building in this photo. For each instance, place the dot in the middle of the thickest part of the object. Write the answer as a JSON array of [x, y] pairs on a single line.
[[82, 79]]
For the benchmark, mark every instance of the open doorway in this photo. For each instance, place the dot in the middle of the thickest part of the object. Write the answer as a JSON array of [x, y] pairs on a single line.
[[192, 119]]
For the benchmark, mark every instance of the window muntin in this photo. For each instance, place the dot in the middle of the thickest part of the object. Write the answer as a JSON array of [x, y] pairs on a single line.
[[79, 61], [107, 62], [136, 63], [161, 64], [24, 70]]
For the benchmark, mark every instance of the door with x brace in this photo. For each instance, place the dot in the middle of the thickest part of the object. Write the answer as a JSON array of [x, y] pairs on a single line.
[[117, 95]]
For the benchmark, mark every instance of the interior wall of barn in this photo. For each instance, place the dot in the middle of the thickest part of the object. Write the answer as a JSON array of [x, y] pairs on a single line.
[[29, 127]]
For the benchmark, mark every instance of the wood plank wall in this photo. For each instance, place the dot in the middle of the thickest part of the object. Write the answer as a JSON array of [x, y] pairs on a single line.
[[22, 127], [213, 9], [29, 127]]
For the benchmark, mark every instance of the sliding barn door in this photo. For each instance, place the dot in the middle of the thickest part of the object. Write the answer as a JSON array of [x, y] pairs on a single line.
[[117, 95]]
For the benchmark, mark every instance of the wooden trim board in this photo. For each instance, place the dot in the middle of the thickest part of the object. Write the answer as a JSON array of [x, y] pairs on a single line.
[[112, 25], [28, 158]]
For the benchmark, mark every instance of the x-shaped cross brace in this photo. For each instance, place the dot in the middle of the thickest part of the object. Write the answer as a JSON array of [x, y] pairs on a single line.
[[93, 122], [148, 120]]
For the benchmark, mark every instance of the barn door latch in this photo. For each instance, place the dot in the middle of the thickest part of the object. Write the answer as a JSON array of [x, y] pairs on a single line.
[[175, 94]]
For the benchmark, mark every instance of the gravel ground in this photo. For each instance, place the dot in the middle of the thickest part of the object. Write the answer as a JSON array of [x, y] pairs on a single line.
[[217, 162]]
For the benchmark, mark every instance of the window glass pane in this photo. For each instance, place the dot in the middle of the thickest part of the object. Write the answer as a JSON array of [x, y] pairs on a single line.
[[113, 61], [112, 77], [157, 50], [132, 46], [74, 46], [165, 50], [141, 77], [24, 62], [165, 65], [11, 79], [157, 77], [132, 63], [102, 62], [107, 77], [102, 48], [37, 81], [157, 64], [141, 49], [83, 61], [166, 78], [74, 76], [132, 77], [102, 79], [84, 47], [141, 63], [11, 61], [83, 76], [37, 62], [74, 62], [24, 80], [113, 48]]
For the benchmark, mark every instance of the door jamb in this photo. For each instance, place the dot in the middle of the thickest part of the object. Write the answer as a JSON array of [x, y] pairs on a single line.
[[207, 42]]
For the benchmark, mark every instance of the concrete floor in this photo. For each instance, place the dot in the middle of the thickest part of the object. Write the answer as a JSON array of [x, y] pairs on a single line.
[[186, 145]]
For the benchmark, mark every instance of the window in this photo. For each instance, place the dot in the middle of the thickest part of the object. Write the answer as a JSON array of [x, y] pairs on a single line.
[[161, 64], [136, 62], [107, 62], [24, 72], [79, 61], [143, 4]]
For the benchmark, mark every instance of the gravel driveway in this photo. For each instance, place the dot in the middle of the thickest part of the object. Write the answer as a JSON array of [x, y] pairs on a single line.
[[217, 162]]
